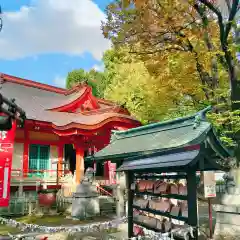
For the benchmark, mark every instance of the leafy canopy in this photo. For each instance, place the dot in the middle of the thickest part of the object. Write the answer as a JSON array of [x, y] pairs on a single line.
[[188, 52], [93, 78]]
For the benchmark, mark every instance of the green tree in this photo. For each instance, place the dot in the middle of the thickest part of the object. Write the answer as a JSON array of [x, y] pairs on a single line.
[[152, 97], [137, 90], [172, 47], [187, 44], [99, 81], [93, 78], [75, 77], [152, 28]]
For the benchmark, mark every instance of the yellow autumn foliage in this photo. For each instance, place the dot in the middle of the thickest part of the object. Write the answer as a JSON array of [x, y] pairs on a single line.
[[171, 64], [151, 97]]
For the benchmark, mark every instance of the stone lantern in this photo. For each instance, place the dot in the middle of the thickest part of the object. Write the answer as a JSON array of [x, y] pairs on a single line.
[[85, 203]]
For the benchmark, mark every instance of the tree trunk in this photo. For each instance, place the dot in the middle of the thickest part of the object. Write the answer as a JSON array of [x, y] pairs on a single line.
[[214, 67], [235, 98], [235, 95]]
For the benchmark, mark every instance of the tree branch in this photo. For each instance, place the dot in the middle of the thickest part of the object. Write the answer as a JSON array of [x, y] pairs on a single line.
[[231, 17], [176, 48], [202, 13], [228, 5], [215, 10]]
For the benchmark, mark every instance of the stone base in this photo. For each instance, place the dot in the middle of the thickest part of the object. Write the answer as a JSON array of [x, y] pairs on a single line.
[[228, 214], [83, 208], [85, 202], [231, 200], [227, 221], [120, 206]]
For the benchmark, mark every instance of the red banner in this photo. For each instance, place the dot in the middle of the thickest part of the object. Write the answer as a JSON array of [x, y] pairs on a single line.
[[6, 154], [110, 172]]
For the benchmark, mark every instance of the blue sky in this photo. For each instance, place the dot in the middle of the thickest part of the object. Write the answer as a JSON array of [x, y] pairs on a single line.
[[43, 40]]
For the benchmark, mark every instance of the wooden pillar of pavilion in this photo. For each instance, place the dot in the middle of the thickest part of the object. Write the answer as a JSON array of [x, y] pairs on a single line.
[[25, 153], [60, 159]]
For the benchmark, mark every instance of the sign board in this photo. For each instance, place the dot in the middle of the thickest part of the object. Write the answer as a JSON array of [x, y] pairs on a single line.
[[209, 184], [112, 173], [6, 154]]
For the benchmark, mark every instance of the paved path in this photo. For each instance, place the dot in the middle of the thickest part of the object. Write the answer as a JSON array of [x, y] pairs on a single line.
[[123, 232]]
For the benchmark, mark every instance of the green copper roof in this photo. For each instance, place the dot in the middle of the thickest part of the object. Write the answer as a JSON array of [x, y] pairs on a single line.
[[156, 137]]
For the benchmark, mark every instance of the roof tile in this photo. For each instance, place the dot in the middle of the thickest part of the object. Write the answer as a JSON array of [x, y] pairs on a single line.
[[35, 103]]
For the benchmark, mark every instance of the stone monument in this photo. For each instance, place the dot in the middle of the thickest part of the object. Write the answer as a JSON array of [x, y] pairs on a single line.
[[228, 213]]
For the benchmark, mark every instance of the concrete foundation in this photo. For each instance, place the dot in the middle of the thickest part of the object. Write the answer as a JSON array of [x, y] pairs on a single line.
[[227, 221], [83, 208]]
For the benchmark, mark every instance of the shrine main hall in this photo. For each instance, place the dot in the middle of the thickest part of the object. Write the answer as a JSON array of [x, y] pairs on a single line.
[[62, 127]]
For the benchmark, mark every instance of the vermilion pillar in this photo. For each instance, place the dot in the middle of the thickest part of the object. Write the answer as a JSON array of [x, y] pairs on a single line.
[[60, 159], [25, 153], [79, 163]]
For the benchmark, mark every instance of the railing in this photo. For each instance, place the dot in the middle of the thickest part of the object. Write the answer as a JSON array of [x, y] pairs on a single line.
[[18, 173], [103, 192], [25, 205], [63, 203], [104, 182], [20, 206]]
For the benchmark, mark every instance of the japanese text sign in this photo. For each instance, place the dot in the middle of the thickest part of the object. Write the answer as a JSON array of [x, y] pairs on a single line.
[[209, 184], [6, 154]]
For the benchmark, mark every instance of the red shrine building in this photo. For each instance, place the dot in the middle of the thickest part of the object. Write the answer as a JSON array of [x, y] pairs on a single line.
[[61, 128]]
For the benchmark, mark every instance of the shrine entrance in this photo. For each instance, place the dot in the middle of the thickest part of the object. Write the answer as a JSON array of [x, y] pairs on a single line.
[[70, 157]]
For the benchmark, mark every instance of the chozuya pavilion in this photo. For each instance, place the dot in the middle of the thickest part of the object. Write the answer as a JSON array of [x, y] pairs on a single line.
[[152, 155]]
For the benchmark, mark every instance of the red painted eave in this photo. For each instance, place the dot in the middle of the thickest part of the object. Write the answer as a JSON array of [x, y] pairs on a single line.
[[105, 102], [79, 126], [100, 124], [84, 94]]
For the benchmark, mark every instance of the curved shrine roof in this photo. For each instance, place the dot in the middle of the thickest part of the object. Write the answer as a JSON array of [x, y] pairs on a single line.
[[160, 137], [40, 101]]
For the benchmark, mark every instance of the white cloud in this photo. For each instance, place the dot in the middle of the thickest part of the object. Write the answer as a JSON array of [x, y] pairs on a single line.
[[53, 26], [99, 67], [59, 82]]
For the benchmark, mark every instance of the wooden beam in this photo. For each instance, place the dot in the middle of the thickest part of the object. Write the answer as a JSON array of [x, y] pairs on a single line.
[[38, 142], [192, 201], [130, 179]]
